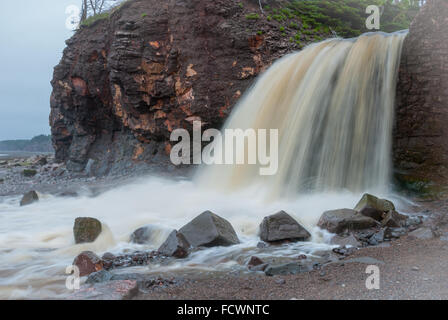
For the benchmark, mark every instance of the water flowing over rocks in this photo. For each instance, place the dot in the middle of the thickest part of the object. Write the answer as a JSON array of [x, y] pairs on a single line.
[[209, 230], [29, 198], [281, 226], [141, 235], [86, 230]]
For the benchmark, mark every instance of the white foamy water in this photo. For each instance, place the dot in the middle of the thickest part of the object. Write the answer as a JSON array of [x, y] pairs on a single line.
[[36, 242], [333, 106]]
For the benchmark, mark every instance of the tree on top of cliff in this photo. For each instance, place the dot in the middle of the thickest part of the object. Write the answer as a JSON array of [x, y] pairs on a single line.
[[92, 9]]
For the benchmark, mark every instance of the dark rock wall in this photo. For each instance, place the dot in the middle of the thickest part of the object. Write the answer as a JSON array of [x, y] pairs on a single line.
[[421, 133], [126, 82]]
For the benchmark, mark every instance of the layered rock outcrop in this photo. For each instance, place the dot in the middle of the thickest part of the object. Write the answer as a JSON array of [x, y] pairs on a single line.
[[125, 82], [421, 133]]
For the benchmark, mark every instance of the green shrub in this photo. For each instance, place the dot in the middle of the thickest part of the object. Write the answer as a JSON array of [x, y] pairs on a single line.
[[252, 16]]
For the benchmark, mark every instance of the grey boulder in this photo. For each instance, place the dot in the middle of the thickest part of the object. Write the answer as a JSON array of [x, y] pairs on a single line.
[[281, 226], [175, 246], [209, 230], [343, 220], [29, 198]]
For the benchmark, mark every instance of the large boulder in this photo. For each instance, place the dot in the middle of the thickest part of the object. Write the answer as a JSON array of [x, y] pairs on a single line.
[[175, 246], [29, 198], [209, 230], [86, 230], [281, 226], [343, 220], [87, 263], [373, 207]]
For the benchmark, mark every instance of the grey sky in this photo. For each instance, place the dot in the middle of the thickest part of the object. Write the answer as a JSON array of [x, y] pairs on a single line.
[[32, 38]]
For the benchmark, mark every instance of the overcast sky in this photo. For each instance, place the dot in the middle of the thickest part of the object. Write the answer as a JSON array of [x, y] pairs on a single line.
[[32, 38]]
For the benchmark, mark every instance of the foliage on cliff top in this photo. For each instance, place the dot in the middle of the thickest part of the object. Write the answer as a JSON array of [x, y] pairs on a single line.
[[345, 17]]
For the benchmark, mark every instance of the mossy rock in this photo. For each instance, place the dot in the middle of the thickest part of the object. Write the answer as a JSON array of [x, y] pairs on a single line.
[[86, 230], [419, 187], [29, 173], [370, 201]]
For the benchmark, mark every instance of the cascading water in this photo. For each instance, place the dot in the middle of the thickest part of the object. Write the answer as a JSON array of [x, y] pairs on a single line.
[[333, 106]]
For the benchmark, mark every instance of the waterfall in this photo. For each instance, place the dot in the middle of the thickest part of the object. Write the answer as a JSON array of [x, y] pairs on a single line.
[[333, 106]]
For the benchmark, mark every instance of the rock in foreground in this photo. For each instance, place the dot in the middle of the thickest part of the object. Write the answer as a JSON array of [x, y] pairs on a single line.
[[343, 220], [209, 230], [374, 207], [111, 290], [29, 198], [86, 230], [281, 226], [175, 246], [87, 263]]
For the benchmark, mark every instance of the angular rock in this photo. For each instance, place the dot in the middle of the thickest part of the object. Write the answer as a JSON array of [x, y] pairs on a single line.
[[111, 290], [29, 198], [370, 201], [175, 246], [377, 238], [87, 263], [373, 213], [422, 234], [394, 220], [281, 226], [99, 276], [254, 261], [346, 241], [288, 268], [141, 235], [209, 230], [394, 233], [342, 220], [86, 230]]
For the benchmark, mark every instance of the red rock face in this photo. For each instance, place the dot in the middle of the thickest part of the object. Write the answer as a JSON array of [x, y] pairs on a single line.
[[125, 83], [421, 134]]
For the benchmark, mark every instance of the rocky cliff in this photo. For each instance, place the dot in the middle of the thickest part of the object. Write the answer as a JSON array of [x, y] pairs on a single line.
[[125, 82], [421, 134]]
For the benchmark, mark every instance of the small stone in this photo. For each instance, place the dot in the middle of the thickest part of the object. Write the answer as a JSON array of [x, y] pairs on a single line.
[[87, 263], [262, 245], [280, 281], [29, 198], [99, 276], [424, 233], [254, 261]]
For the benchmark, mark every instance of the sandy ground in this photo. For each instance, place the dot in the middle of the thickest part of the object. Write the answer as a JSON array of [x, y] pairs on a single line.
[[409, 269]]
